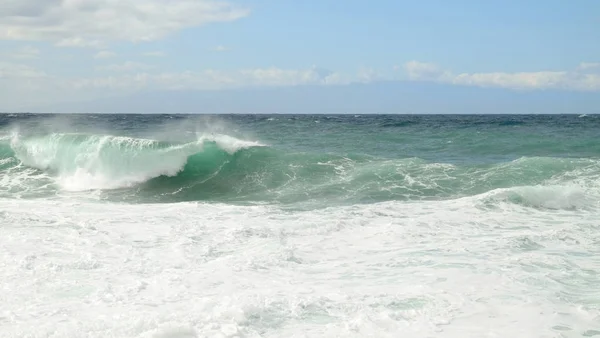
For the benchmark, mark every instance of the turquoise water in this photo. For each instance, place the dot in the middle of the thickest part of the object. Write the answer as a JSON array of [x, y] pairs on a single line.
[[319, 160], [186, 226]]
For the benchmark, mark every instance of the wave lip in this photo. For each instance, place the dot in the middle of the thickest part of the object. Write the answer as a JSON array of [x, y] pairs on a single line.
[[557, 197], [228, 143], [98, 162]]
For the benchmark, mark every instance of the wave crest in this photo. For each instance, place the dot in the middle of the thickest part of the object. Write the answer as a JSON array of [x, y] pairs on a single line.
[[559, 197], [88, 162]]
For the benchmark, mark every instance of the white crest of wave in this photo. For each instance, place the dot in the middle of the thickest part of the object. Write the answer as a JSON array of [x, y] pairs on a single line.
[[228, 143], [548, 197], [91, 162]]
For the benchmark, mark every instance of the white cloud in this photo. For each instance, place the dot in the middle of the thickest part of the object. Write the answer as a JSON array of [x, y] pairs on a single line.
[[283, 77], [155, 54], [582, 78], [13, 71], [104, 54], [533, 80], [212, 79], [589, 66], [367, 75], [219, 48], [128, 66], [81, 42], [26, 52], [94, 23], [423, 71]]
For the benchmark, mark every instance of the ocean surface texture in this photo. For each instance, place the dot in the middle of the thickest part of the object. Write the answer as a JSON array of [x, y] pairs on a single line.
[[175, 226]]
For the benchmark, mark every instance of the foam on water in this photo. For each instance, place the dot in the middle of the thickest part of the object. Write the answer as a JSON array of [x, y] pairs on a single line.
[[444, 269]]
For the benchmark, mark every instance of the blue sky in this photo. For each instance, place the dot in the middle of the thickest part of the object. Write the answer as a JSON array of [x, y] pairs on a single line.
[[61, 50]]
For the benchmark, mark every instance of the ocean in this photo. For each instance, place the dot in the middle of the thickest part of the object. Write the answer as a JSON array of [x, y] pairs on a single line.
[[181, 226]]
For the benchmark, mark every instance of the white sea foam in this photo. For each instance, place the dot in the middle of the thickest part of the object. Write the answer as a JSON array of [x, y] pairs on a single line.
[[394, 269]]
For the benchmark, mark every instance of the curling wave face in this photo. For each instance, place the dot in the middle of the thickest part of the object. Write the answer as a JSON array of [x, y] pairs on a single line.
[[89, 162]]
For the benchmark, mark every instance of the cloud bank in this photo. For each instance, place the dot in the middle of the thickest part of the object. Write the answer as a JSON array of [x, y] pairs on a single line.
[[207, 79], [104, 54], [95, 23], [586, 77], [18, 72], [19, 81]]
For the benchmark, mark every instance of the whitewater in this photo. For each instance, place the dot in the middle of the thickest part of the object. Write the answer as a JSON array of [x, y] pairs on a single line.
[[180, 226]]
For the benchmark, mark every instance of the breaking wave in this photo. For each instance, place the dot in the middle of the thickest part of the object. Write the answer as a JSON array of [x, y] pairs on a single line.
[[89, 162]]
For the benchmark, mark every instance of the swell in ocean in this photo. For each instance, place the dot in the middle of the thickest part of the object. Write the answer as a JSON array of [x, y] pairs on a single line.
[[221, 168]]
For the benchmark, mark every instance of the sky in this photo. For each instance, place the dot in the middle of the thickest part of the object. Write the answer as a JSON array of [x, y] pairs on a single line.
[[56, 51]]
